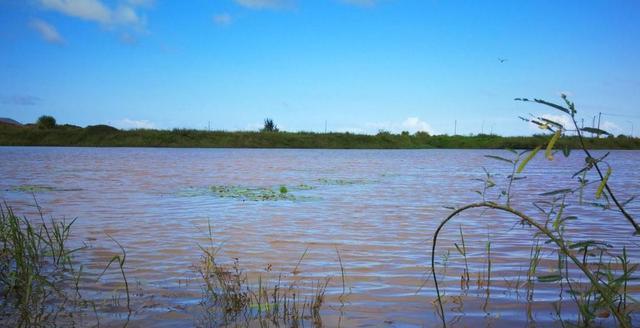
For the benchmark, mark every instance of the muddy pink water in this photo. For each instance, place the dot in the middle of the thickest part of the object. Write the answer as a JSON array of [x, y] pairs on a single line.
[[379, 208]]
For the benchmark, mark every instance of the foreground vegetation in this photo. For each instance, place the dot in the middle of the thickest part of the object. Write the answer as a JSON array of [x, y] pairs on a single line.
[[106, 136], [595, 274]]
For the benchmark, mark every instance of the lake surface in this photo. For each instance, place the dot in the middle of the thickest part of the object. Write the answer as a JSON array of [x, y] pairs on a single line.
[[378, 208]]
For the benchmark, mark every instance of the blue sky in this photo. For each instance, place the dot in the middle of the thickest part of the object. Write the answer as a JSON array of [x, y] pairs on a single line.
[[358, 65]]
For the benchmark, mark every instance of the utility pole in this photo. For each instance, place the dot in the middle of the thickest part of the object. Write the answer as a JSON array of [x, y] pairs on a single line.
[[599, 116], [455, 127], [209, 126], [325, 126], [482, 128], [593, 124]]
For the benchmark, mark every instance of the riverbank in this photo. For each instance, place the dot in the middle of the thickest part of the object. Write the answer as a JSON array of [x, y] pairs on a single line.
[[106, 136]]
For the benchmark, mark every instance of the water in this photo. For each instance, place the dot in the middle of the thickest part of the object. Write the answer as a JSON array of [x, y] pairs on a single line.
[[379, 208]]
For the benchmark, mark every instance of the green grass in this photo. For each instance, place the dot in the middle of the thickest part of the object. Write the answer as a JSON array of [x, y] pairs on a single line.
[[105, 136], [40, 282]]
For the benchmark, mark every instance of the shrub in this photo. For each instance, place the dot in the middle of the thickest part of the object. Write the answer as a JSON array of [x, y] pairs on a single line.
[[46, 122], [269, 126]]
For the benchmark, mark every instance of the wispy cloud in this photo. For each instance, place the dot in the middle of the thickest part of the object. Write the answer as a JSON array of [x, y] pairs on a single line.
[[124, 14], [47, 31], [361, 3], [91, 10], [265, 4], [127, 123], [21, 100], [222, 19]]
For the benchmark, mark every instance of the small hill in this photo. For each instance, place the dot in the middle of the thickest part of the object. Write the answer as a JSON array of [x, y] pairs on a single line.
[[8, 121]]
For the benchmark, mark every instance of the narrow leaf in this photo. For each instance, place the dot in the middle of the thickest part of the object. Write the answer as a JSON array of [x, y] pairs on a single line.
[[550, 278], [551, 122], [603, 183], [558, 191], [595, 130], [499, 158], [526, 160], [558, 107], [552, 142]]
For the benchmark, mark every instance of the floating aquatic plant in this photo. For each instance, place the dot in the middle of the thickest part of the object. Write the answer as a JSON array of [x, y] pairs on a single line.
[[39, 188], [340, 182], [32, 188], [253, 193]]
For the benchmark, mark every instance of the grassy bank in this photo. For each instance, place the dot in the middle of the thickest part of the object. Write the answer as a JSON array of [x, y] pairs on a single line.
[[106, 136]]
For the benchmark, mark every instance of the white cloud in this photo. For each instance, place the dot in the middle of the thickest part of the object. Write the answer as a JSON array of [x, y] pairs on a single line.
[[133, 124], [414, 124], [264, 4], [222, 19], [124, 14], [91, 10], [47, 31], [410, 124], [361, 3]]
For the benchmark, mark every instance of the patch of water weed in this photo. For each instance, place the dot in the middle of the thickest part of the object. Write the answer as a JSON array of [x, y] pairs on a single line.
[[341, 182], [280, 193], [252, 193], [32, 188], [301, 187], [38, 189]]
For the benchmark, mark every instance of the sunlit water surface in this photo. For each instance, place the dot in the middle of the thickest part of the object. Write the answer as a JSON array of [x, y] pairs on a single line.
[[378, 208]]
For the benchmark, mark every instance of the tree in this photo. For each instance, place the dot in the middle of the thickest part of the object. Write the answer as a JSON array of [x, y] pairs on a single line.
[[46, 122], [269, 126]]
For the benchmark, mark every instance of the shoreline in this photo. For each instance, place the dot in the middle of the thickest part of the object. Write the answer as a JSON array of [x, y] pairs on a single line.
[[104, 136]]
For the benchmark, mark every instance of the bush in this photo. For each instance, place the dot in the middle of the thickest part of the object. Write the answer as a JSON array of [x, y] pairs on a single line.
[[46, 122], [269, 126]]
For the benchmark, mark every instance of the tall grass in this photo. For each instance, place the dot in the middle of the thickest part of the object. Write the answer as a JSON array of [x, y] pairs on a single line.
[[39, 283], [33, 262], [603, 290], [229, 298]]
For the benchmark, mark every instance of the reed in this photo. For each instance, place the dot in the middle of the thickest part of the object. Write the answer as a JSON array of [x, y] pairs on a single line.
[[230, 298]]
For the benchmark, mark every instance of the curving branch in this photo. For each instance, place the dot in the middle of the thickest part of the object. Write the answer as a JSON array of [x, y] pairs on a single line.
[[561, 245]]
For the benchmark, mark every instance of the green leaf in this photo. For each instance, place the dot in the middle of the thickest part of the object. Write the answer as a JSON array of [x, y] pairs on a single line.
[[526, 160], [554, 123], [603, 183], [558, 107], [566, 151], [628, 201], [587, 243], [550, 278], [595, 130], [459, 249], [499, 158], [552, 142], [558, 191]]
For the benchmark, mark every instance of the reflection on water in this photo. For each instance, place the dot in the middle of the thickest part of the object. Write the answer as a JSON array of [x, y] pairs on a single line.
[[379, 208]]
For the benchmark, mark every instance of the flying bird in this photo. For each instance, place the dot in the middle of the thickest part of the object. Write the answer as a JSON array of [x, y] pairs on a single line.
[[502, 60]]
